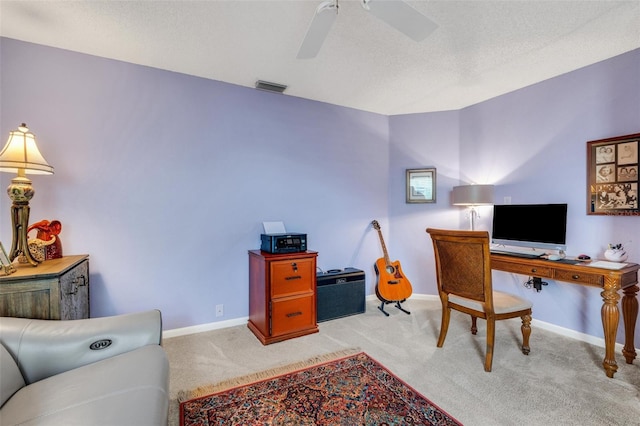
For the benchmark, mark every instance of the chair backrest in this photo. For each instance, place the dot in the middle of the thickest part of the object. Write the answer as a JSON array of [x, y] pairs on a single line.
[[463, 264]]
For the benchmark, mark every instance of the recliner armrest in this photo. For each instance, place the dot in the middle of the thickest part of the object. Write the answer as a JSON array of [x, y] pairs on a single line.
[[43, 348]]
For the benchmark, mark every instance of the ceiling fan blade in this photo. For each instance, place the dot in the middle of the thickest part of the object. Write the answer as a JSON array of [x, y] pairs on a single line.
[[402, 17], [321, 23]]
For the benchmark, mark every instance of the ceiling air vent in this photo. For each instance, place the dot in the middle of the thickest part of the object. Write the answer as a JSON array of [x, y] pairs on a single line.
[[270, 87]]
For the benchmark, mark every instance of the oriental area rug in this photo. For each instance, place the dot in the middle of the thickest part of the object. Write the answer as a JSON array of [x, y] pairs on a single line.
[[352, 390]]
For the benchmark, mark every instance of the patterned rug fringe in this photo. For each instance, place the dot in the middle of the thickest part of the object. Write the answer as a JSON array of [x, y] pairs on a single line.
[[183, 396]]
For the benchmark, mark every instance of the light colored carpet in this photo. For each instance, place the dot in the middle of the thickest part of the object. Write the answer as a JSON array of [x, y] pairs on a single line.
[[561, 382]]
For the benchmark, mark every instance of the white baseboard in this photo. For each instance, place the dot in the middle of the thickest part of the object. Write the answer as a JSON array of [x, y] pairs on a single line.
[[566, 332], [572, 334], [175, 332]]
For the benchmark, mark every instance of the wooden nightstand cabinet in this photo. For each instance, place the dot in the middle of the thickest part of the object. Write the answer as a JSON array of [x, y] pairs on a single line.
[[56, 289], [282, 295]]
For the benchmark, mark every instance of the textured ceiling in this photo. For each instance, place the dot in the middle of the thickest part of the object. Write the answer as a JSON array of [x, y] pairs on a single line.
[[481, 49]]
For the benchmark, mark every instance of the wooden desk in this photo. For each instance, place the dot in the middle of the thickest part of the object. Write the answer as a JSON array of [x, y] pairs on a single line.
[[611, 281]]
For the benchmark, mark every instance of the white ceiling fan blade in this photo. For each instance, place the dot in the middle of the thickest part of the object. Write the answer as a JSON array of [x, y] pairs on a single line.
[[402, 17], [321, 23]]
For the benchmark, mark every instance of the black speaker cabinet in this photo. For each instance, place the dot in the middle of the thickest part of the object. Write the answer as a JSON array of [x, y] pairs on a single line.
[[340, 293]]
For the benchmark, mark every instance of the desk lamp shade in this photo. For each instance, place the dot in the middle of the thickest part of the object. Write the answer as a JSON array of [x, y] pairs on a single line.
[[471, 196], [21, 155]]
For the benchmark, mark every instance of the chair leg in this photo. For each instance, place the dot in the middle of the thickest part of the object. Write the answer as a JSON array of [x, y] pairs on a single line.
[[474, 325], [526, 332], [491, 334], [444, 325]]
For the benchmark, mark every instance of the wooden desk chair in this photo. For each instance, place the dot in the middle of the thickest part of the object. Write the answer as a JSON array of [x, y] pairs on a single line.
[[463, 270]]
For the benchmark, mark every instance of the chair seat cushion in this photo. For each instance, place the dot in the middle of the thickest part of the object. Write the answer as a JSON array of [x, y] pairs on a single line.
[[503, 303], [127, 389]]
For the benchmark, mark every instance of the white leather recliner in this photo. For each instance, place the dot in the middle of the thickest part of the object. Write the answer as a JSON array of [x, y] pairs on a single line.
[[98, 371]]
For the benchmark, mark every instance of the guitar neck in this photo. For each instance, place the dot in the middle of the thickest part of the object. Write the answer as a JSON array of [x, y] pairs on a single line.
[[384, 248]]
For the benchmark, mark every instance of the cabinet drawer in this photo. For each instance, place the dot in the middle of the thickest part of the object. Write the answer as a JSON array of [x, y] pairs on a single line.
[[579, 277], [21, 303], [291, 277], [535, 271], [290, 315]]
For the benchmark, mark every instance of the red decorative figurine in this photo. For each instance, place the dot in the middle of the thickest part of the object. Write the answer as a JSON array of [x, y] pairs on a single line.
[[48, 233]]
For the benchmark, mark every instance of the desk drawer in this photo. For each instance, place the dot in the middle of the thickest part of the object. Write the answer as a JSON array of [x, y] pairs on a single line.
[[534, 271], [579, 277], [291, 315], [292, 276]]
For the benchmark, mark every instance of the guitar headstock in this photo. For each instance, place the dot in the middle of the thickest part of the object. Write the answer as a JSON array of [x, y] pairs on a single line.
[[375, 225]]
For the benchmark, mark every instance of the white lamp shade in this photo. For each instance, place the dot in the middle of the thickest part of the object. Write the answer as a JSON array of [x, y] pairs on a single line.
[[473, 195], [21, 153]]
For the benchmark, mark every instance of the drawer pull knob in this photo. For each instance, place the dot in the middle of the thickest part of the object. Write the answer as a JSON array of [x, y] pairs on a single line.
[[294, 277], [294, 265], [575, 277], [80, 277], [294, 314], [534, 270], [76, 285]]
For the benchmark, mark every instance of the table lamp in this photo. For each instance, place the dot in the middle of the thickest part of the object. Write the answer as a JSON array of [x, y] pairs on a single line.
[[472, 196], [21, 155]]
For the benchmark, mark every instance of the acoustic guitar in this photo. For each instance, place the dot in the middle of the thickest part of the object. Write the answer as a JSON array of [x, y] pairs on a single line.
[[392, 285]]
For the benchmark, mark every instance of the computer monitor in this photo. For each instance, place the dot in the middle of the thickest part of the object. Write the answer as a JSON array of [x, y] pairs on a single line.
[[530, 225]]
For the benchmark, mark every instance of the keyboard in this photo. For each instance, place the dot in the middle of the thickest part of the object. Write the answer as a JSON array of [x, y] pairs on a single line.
[[517, 253], [567, 261]]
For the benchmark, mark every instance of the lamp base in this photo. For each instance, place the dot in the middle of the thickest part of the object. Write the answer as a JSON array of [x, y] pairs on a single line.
[[19, 245], [473, 214], [20, 191]]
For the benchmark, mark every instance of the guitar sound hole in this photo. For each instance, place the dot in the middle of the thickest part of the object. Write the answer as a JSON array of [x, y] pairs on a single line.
[[390, 269]]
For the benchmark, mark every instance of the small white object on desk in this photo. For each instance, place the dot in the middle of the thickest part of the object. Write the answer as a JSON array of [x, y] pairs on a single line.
[[607, 265], [615, 253]]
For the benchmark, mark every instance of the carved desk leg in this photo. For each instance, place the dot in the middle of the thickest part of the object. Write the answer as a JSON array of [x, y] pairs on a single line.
[[610, 319], [526, 333], [630, 314]]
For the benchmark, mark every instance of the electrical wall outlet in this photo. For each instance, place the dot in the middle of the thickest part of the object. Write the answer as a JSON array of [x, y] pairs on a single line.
[[219, 310]]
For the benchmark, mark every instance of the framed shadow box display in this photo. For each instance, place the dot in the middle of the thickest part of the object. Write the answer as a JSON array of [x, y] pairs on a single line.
[[421, 185], [612, 176], [5, 264]]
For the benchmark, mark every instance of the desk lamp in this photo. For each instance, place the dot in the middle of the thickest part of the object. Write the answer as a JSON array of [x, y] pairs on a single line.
[[472, 196], [21, 155]]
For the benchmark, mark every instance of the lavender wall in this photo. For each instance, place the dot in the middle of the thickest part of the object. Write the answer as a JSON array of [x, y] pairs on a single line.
[[164, 179], [541, 133], [418, 141], [531, 144]]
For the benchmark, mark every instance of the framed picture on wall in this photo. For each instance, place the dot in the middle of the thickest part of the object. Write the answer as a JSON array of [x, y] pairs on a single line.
[[421, 185], [612, 176]]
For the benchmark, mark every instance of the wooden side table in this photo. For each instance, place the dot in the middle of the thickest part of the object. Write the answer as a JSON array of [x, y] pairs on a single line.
[[56, 289]]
